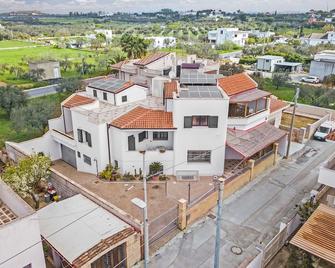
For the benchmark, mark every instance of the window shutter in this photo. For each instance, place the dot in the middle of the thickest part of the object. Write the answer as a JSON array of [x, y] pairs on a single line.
[[88, 139], [80, 135], [212, 121], [188, 122], [142, 136]]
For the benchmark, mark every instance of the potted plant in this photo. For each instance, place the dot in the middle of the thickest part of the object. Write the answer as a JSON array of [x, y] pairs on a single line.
[[155, 169], [162, 149]]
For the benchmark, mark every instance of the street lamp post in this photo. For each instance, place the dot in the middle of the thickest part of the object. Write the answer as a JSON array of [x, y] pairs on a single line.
[[145, 214], [218, 225]]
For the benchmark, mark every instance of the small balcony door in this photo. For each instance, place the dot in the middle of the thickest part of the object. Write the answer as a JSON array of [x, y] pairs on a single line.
[[131, 143]]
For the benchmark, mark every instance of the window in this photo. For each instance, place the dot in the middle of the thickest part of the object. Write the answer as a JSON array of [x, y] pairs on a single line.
[[261, 104], [251, 107], [87, 160], [80, 135], [115, 258], [200, 120], [124, 98], [116, 163], [160, 136], [79, 154], [105, 96], [88, 138], [213, 121], [199, 156], [131, 143], [27, 266], [95, 93], [142, 136]]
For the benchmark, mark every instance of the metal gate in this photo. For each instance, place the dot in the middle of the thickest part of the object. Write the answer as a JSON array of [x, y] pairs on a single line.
[[69, 155]]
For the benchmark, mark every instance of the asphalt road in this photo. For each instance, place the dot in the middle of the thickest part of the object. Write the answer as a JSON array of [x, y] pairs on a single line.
[[251, 216]]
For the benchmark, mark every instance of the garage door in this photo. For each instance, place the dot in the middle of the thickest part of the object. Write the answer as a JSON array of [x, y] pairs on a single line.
[[69, 156]]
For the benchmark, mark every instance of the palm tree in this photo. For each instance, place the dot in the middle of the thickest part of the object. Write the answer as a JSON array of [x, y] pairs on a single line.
[[134, 46]]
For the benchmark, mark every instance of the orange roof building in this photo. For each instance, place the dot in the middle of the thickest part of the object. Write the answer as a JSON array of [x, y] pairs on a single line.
[[169, 88], [77, 100], [237, 83], [151, 58], [144, 118]]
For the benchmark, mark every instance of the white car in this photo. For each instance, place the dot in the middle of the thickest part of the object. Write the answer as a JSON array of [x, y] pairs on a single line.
[[323, 131], [310, 79]]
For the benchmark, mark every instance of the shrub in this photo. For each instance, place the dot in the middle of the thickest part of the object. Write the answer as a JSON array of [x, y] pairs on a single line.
[[155, 168]]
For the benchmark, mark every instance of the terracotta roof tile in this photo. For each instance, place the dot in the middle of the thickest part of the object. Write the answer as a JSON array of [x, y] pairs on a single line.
[[169, 88], [118, 65], [276, 104], [151, 58], [143, 118], [237, 83], [77, 100]]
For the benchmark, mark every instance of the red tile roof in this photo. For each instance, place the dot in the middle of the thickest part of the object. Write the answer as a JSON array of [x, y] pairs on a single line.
[[118, 65], [151, 58], [237, 83], [169, 88], [77, 100], [144, 118], [276, 104]]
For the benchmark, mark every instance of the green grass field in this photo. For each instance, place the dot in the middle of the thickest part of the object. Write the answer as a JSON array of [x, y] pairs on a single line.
[[7, 133], [285, 92], [15, 43]]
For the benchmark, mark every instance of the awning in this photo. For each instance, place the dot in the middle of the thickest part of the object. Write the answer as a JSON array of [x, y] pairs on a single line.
[[317, 235], [250, 95], [249, 142]]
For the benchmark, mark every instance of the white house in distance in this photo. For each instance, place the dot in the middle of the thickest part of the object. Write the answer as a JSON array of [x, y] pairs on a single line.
[[221, 35], [319, 38], [323, 64], [162, 41], [260, 34], [106, 32], [21, 244], [269, 63]]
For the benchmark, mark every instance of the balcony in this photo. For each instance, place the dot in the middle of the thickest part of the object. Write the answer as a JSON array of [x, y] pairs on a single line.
[[327, 172], [64, 138]]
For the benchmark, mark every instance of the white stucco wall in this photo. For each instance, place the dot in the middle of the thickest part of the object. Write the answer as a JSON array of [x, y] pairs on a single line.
[[248, 122], [200, 138], [133, 93]]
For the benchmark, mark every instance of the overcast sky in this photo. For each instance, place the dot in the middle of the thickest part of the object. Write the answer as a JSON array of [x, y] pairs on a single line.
[[64, 6]]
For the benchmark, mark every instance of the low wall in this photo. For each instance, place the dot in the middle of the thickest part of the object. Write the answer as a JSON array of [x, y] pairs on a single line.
[[298, 134], [209, 201], [311, 128]]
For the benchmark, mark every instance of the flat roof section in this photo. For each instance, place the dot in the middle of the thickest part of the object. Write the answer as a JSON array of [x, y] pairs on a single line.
[[199, 92], [317, 235], [250, 95]]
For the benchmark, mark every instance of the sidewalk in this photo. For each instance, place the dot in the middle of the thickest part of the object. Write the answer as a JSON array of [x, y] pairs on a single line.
[[250, 217]]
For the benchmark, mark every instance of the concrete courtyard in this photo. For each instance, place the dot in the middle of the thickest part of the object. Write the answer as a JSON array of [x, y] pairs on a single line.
[[251, 216]]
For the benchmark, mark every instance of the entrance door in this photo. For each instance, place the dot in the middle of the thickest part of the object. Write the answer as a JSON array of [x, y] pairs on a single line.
[[131, 143], [69, 156]]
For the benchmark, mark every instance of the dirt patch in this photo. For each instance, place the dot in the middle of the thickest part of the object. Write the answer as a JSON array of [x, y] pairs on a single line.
[[299, 121]]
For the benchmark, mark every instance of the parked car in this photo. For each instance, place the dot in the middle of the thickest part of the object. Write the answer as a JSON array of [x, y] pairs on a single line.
[[323, 130], [310, 79]]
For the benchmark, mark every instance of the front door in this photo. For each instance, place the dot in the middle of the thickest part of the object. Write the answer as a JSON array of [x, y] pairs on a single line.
[[131, 143]]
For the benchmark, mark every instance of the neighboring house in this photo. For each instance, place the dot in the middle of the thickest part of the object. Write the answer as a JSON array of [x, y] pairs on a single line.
[[77, 232], [319, 38], [276, 111], [162, 41], [105, 32], [269, 63], [323, 64], [317, 235], [142, 71], [260, 34], [328, 20], [221, 35], [249, 135], [50, 69], [21, 244]]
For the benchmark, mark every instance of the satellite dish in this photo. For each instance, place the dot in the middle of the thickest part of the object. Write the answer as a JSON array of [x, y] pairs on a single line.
[[172, 74]]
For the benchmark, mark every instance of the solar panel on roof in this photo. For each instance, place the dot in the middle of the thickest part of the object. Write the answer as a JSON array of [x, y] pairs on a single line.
[[109, 84]]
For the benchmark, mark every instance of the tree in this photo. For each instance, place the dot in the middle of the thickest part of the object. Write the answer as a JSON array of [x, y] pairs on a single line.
[[65, 63], [36, 74], [32, 117], [231, 68], [10, 98], [329, 80], [279, 79], [25, 178], [134, 46], [328, 28], [71, 84]]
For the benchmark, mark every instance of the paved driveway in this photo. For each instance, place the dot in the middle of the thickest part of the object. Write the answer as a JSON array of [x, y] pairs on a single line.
[[250, 217]]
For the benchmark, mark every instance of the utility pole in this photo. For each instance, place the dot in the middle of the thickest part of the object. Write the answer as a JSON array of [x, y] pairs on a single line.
[[145, 216], [218, 225], [296, 96]]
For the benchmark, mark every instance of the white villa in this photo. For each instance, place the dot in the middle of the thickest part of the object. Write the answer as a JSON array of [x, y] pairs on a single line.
[[221, 35], [162, 41], [319, 38], [192, 123]]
